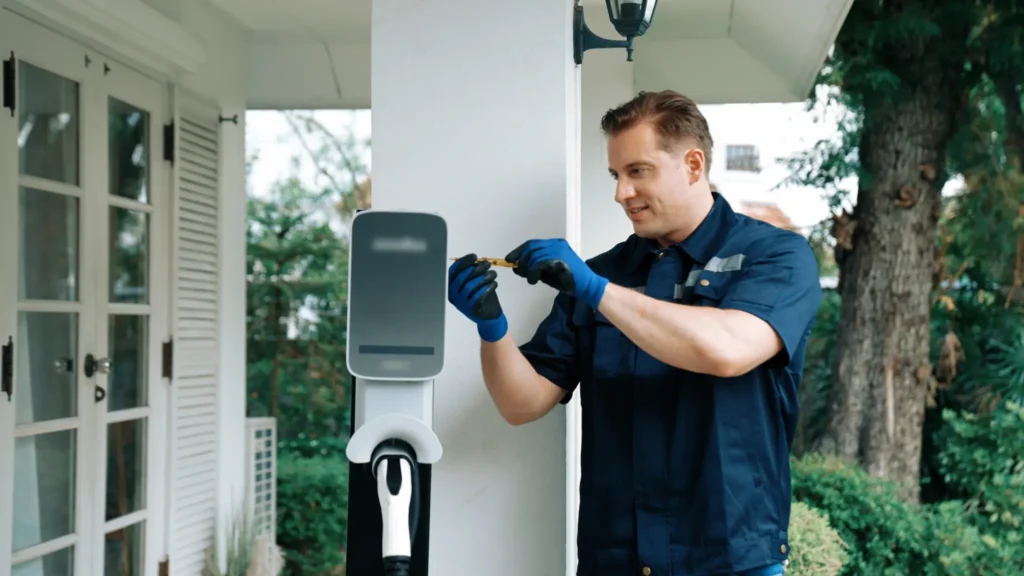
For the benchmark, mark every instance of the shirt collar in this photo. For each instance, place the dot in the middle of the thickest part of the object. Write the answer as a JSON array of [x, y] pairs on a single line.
[[705, 241], [700, 246]]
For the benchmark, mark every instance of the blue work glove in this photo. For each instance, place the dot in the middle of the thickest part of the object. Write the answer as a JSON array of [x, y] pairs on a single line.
[[472, 290], [556, 264]]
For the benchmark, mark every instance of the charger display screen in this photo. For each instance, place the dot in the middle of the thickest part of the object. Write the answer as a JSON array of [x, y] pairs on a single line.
[[397, 295]]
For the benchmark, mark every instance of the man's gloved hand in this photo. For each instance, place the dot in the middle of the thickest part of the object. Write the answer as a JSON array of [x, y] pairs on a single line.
[[471, 289], [556, 264]]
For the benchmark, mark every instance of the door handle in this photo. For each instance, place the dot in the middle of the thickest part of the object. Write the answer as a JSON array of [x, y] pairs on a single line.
[[7, 369], [94, 365]]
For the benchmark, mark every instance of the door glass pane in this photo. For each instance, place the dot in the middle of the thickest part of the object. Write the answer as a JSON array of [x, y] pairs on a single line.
[[44, 488], [47, 382], [47, 125], [126, 466], [128, 140], [59, 563], [123, 551], [129, 238], [128, 348], [48, 246]]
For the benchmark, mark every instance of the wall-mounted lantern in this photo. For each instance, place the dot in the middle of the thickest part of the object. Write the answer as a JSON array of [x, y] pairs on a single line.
[[631, 19]]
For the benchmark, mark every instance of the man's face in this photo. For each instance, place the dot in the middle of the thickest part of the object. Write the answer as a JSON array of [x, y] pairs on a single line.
[[653, 185]]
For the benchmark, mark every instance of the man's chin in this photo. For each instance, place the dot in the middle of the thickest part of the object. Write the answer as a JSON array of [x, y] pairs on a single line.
[[645, 231]]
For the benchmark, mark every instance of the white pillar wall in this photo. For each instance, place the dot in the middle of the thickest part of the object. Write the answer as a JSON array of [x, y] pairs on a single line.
[[607, 82], [476, 117]]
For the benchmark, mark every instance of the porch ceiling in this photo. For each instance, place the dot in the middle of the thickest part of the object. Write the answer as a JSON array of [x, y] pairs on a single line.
[[717, 51], [346, 21]]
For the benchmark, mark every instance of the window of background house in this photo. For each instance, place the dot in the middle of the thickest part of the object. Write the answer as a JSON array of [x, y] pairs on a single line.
[[742, 158]]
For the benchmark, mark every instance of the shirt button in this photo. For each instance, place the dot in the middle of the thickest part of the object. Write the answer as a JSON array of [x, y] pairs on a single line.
[[704, 282], [783, 548], [661, 255], [646, 571]]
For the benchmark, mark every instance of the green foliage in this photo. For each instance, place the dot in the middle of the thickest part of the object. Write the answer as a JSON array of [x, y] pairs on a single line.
[[312, 514], [984, 224], [815, 547], [305, 446], [823, 247], [983, 459], [887, 536], [817, 378], [832, 160], [957, 547], [990, 364], [882, 532], [297, 270]]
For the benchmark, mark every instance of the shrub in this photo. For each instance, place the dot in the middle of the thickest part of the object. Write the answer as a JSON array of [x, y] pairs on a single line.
[[815, 547], [888, 537], [312, 514], [307, 447], [956, 547], [884, 534], [982, 458]]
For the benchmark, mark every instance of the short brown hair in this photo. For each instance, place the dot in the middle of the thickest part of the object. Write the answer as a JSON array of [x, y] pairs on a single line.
[[674, 116]]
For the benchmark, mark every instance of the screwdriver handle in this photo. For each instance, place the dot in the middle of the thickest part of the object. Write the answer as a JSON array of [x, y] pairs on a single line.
[[498, 262]]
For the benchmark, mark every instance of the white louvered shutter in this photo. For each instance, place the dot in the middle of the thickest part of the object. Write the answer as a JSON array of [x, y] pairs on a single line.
[[192, 507]]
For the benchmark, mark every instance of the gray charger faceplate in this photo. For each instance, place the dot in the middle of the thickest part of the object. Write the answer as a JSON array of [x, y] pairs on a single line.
[[398, 295]]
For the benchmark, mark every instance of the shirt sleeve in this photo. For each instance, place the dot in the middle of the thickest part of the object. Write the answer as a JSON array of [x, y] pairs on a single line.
[[779, 283], [552, 350]]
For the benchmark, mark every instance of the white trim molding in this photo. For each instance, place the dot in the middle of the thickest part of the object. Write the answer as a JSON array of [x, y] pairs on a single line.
[[129, 28]]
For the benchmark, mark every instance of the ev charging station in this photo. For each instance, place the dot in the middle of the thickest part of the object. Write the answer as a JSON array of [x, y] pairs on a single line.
[[397, 299]]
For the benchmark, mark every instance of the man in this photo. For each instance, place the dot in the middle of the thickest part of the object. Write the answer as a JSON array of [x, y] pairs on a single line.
[[687, 341]]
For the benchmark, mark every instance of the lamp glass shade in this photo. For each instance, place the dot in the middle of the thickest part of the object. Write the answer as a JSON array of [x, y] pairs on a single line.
[[631, 17]]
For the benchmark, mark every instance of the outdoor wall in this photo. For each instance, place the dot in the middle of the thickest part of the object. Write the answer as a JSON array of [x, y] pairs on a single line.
[[607, 82], [486, 136]]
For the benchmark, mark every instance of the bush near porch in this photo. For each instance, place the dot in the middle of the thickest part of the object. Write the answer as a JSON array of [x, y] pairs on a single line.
[[312, 511]]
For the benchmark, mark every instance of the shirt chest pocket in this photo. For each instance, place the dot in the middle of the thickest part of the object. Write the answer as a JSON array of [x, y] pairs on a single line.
[[608, 353], [710, 289]]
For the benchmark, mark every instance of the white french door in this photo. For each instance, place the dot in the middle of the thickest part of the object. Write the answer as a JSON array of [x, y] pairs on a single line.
[[85, 203]]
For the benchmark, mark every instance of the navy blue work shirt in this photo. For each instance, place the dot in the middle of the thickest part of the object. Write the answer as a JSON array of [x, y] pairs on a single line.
[[686, 474]]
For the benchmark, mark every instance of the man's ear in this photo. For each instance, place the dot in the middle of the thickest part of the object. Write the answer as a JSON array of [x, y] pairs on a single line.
[[694, 160]]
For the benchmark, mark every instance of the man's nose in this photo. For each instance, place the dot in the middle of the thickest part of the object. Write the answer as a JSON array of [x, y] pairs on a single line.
[[624, 191]]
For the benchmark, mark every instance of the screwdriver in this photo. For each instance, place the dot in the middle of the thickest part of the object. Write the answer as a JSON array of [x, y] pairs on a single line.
[[499, 262]]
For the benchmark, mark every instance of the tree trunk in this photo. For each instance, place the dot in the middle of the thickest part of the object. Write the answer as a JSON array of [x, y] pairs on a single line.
[[882, 374], [275, 373]]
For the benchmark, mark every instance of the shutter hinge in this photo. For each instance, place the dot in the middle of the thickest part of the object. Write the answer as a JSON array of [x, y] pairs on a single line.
[[9, 88], [168, 359], [169, 142], [164, 568], [7, 369]]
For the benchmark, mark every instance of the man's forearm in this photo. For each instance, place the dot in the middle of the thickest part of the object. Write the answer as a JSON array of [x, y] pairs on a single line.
[[695, 338], [518, 391]]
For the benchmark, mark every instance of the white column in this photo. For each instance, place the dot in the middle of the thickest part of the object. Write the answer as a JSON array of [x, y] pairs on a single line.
[[475, 116]]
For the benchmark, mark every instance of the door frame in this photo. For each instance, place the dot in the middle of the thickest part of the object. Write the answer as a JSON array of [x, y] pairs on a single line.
[[8, 289], [38, 44]]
